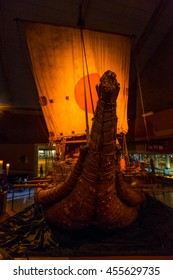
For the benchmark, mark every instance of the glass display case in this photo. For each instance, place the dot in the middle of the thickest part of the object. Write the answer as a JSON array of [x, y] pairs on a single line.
[[163, 163], [45, 156]]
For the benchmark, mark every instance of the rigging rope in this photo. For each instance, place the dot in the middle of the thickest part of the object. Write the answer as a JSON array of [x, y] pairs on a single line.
[[83, 44], [85, 97], [142, 104], [125, 150]]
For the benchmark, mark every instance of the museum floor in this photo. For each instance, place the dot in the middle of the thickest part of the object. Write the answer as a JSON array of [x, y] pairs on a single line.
[[21, 201]]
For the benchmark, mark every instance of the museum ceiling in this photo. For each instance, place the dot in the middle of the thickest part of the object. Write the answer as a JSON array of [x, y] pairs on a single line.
[[147, 22]]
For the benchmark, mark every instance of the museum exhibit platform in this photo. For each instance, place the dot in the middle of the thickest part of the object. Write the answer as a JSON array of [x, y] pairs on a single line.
[[28, 235]]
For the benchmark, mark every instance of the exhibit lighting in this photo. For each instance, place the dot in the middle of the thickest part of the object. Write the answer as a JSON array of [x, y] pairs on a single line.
[[1, 164], [7, 168]]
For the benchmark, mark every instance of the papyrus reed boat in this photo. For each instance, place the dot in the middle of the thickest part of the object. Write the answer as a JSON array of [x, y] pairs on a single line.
[[94, 193]]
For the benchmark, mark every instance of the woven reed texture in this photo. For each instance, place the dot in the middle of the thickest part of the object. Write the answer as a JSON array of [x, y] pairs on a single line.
[[95, 193]]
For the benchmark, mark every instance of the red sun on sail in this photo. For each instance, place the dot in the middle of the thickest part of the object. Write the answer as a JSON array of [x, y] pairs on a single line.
[[85, 89]]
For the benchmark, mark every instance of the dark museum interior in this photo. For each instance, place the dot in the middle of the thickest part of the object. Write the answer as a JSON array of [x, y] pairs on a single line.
[[59, 155]]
